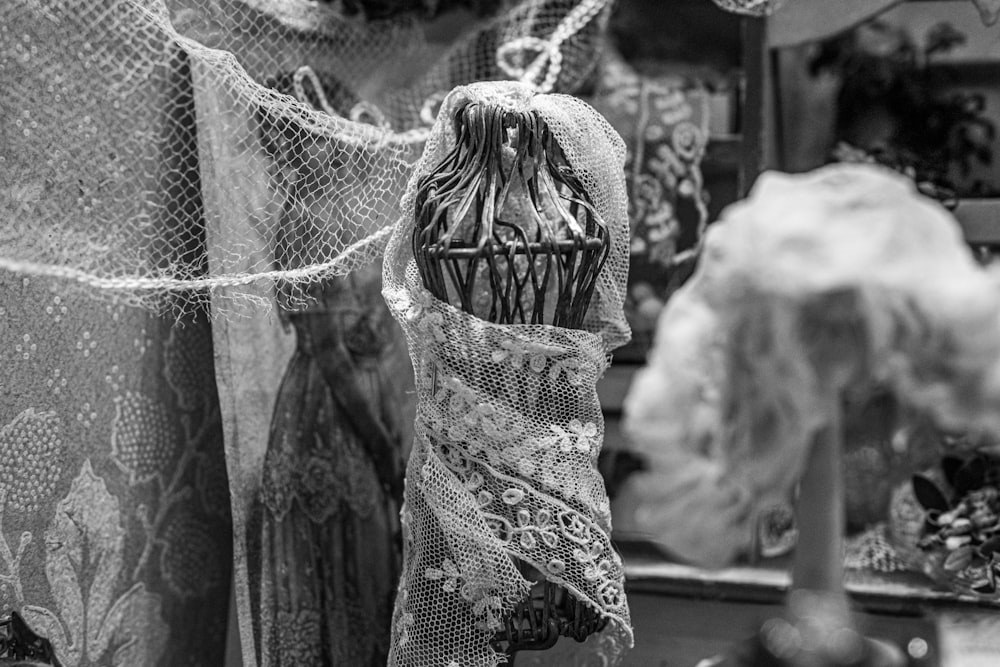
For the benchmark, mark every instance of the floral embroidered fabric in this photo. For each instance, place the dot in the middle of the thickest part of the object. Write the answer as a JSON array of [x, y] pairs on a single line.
[[664, 123], [665, 127], [508, 431], [115, 529]]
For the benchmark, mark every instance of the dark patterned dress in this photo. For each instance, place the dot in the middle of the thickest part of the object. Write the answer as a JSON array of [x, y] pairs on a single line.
[[329, 552]]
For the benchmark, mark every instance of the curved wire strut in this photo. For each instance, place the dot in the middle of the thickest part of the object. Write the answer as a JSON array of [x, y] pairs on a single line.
[[504, 228]]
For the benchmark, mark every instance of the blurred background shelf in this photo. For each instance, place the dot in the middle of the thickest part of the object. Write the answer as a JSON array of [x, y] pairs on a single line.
[[980, 220], [683, 614]]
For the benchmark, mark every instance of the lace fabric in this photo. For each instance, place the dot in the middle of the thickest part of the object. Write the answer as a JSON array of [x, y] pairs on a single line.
[[508, 430], [99, 155], [186, 155], [115, 526]]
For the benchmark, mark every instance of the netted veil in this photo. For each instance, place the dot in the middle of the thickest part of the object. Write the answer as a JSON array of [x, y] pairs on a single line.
[[104, 183]]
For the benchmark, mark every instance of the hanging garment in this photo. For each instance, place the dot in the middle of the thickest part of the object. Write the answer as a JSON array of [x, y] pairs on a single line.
[[318, 481], [115, 536], [329, 534]]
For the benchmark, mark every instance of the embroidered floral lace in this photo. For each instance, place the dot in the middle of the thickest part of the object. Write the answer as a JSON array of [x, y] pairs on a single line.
[[508, 430]]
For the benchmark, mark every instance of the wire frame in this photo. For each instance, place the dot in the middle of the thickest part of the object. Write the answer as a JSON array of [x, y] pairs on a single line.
[[504, 228], [507, 232], [548, 613]]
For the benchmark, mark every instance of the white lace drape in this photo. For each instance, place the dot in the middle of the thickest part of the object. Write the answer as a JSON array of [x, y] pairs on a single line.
[[508, 430]]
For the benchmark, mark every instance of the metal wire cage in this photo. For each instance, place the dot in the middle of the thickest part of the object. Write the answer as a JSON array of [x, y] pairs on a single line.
[[507, 232], [504, 228]]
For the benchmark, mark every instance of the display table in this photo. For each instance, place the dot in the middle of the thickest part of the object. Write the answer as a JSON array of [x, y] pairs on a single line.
[[683, 614]]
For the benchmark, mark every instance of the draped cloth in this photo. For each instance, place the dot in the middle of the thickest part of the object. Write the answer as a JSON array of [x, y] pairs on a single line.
[[115, 529], [115, 534], [314, 405], [508, 429], [187, 251]]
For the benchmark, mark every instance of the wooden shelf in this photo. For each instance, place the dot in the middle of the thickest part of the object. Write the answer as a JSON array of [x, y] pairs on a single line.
[[683, 613], [682, 632], [897, 593]]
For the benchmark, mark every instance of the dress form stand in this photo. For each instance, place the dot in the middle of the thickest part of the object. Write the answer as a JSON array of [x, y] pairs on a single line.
[[817, 628], [506, 232]]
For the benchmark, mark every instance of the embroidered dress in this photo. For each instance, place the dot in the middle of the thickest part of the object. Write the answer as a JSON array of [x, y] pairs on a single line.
[[329, 538]]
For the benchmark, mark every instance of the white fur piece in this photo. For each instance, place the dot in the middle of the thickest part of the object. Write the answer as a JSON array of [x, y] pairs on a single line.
[[816, 284]]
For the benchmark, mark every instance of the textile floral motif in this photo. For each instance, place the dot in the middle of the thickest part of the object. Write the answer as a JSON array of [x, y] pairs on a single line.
[[666, 138], [298, 636], [537, 528], [484, 604], [184, 369], [189, 561], [31, 448], [85, 541], [487, 607], [664, 122], [536, 533], [576, 436], [84, 548], [113, 546], [143, 440], [448, 574], [172, 484]]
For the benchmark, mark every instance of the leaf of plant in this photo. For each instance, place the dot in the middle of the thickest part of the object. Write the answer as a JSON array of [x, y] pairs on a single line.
[[928, 494], [959, 559]]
